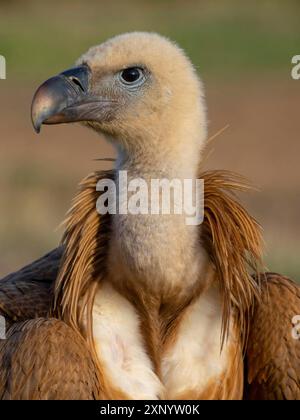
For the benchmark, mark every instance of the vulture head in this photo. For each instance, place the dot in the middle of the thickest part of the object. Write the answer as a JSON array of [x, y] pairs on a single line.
[[139, 89]]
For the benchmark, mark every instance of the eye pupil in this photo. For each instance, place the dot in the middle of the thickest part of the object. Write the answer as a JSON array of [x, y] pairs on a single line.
[[131, 74]]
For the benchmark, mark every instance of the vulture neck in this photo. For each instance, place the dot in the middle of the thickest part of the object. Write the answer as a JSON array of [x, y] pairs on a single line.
[[160, 254], [157, 161]]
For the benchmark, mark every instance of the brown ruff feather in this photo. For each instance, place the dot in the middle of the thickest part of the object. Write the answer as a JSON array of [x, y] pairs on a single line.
[[230, 235], [233, 241], [83, 265]]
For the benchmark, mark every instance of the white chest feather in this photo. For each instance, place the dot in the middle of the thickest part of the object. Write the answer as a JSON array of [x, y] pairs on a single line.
[[188, 365], [120, 346], [195, 359]]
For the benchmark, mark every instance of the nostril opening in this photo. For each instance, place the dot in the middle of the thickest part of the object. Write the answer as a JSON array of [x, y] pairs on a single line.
[[76, 82]]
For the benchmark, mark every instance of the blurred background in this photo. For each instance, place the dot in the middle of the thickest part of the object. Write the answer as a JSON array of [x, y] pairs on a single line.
[[243, 53]]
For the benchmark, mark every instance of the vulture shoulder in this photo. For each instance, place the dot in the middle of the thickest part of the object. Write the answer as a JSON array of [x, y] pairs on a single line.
[[273, 350], [26, 294], [46, 359]]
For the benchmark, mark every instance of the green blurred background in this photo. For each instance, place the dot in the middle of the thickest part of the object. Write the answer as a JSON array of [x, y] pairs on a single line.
[[241, 49]]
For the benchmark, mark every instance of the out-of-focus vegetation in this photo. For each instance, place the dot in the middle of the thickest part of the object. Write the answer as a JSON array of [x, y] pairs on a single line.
[[242, 50], [230, 38]]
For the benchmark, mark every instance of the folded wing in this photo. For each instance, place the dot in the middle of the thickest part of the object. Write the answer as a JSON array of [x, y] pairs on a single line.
[[273, 352]]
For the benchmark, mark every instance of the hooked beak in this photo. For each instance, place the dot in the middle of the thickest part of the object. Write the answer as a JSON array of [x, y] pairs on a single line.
[[58, 100], [66, 98]]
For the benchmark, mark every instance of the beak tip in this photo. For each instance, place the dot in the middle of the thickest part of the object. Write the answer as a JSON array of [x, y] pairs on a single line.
[[36, 125]]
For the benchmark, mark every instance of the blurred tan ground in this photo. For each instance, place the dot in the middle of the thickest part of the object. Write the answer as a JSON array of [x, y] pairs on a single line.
[[39, 174]]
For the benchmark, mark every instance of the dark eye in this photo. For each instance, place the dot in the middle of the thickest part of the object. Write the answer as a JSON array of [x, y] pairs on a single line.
[[131, 75]]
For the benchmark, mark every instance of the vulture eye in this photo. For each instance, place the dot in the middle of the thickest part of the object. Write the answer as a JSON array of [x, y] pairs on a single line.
[[131, 75]]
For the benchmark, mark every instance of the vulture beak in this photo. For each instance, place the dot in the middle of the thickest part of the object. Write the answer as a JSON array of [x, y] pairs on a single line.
[[63, 98]]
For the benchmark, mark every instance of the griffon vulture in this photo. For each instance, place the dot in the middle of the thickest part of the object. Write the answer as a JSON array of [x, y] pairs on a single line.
[[145, 306]]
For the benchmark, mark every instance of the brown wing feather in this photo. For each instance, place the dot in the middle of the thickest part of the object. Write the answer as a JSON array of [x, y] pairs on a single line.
[[27, 293], [46, 359], [273, 355]]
